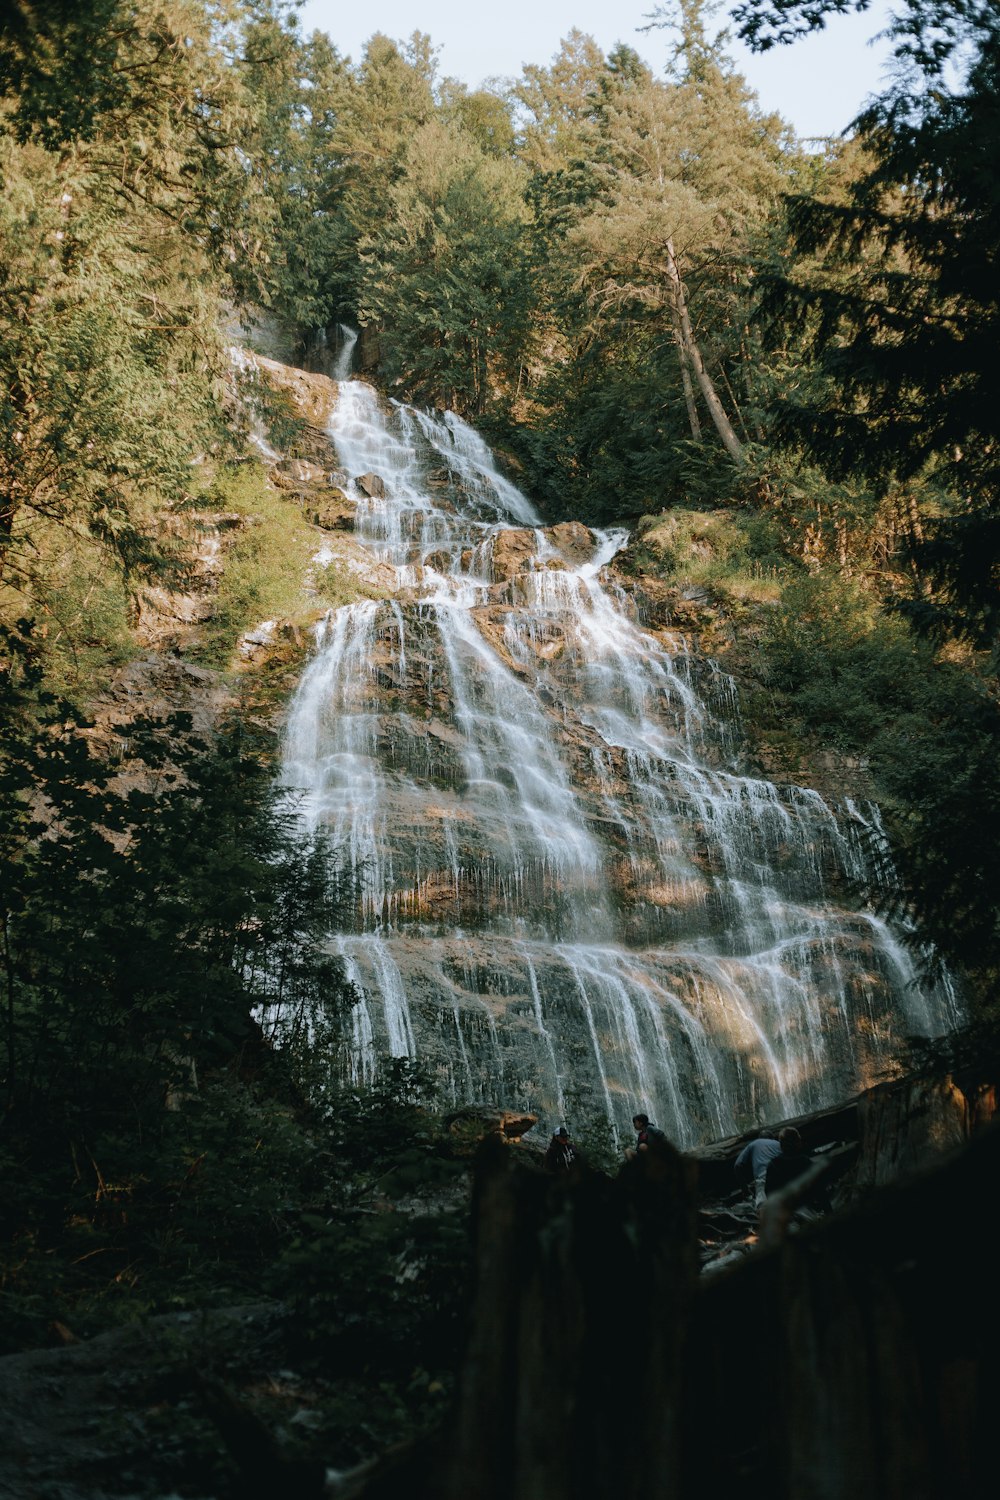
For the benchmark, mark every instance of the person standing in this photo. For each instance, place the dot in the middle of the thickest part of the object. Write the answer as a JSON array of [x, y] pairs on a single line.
[[561, 1153]]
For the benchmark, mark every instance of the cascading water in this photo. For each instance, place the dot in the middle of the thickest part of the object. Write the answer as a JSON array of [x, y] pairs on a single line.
[[567, 892]]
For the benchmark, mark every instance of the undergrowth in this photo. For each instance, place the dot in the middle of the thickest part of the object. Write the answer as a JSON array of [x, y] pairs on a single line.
[[267, 569]]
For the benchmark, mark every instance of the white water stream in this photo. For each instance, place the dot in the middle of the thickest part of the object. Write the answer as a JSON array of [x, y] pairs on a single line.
[[567, 891]]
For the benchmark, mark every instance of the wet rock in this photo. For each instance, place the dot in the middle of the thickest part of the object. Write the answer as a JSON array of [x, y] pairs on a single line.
[[513, 553], [371, 485], [335, 513], [574, 540]]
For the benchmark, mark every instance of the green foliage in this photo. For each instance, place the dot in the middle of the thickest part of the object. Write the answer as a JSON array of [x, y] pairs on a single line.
[[858, 680], [150, 905], [737, 559], [893, 295], [445, 271], [603, 445], [266, 573], [296, 89], [375, 1272], [395, 1290], [127, 216]]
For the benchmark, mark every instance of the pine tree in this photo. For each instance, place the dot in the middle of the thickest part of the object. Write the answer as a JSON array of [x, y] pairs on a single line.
[[903, 315], [124, 224], [445, 272]]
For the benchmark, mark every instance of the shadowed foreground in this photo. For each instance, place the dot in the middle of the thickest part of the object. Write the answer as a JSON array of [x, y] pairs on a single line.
[[853, 1359]]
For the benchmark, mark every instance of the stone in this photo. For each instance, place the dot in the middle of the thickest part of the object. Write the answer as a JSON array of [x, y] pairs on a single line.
[[335, 513], [298, 471], [371, 486], [574, 540], [468, 1127], [312, 396], [513, 553]]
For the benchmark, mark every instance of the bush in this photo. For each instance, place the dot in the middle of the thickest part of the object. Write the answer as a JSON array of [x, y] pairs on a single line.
[[266, 569]]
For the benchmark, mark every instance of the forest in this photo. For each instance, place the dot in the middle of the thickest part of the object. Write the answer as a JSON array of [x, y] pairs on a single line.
[[775, 365]]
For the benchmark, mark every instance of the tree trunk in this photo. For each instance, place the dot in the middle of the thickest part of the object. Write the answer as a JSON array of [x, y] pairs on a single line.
[[716, 410], [571, 1385], [689, 401]]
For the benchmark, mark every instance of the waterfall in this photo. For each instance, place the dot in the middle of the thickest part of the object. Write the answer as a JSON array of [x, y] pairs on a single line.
[[346, 340], [566, 888]]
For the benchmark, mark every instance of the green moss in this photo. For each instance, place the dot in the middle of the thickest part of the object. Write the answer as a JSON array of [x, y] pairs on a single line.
[[267, 566], [735, 557]]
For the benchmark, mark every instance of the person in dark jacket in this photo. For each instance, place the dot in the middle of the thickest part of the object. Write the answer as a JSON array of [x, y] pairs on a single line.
[[786, 1169], [647, 1136], [561, 1153]]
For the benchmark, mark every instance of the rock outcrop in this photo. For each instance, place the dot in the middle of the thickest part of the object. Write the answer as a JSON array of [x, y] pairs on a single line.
[[312, 396]]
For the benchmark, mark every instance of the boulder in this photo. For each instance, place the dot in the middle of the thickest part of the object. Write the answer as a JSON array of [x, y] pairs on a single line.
[[336, 513], [371, 485], [575, 542], [513, 553]]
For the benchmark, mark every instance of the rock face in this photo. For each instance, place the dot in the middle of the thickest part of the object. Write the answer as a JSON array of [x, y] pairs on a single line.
[[567, 884], [157, 687], [298, 471], [170, 619], [371, 486], [313, 396]]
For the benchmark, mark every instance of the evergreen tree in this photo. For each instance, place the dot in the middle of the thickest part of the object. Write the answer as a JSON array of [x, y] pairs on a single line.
[[381, 104], [297, 88], [123, 226], [445, 273], [904, 316], [692, 172], [561, 105]]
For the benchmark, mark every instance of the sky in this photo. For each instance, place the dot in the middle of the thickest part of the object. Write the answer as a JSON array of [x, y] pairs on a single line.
[[817, 84]]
